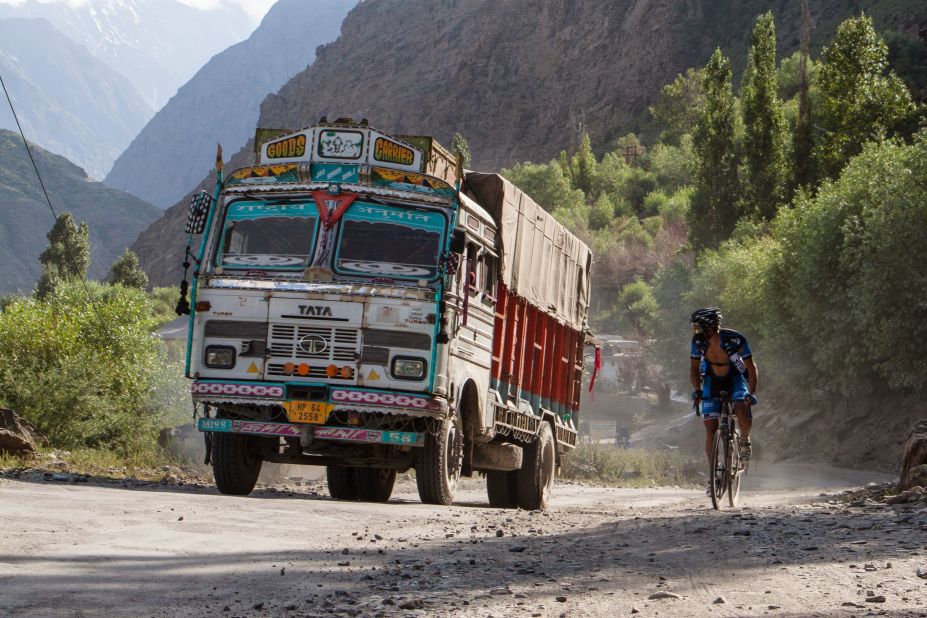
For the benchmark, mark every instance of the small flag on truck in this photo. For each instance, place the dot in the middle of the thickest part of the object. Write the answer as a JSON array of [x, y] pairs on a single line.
[[218, 157]]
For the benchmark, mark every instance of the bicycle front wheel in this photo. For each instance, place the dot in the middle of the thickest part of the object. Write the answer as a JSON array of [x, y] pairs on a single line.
[[733, 470], [717, 473]]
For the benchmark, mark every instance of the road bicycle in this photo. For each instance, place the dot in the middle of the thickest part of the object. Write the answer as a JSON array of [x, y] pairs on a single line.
[[727, 467]]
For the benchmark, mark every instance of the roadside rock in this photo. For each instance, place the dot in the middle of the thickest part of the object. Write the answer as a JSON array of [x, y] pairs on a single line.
[[909, 495], [914, 455], [663, 595], [17, 435]]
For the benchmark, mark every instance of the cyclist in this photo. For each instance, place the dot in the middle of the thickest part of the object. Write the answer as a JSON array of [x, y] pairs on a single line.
[[724, 358]]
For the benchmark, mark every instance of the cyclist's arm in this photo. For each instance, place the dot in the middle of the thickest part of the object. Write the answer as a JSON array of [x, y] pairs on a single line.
[[695, 373], [751, 374]]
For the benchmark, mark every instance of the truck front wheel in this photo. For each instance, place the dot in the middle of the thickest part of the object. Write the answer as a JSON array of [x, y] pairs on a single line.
[[437, 469], [236, 463], [342, 482], [375, 484], [536, 476]]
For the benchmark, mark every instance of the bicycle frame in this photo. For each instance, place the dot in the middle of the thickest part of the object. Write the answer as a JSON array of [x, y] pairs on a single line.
[[726, 467]]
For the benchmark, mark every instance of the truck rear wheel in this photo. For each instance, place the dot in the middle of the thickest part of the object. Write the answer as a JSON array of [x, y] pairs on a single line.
[[342, 482], [236, 463], [375, 484], [536, 477], [501, 487], [437, 468]]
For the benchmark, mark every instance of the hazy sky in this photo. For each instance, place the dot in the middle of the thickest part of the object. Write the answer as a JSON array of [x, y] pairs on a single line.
[[255, 8]]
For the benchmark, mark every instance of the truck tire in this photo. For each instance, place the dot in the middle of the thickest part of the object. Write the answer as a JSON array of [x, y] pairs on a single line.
[[438, 465], [501, 487], [236, 463], [375, 484], [342, 482], [535, 480]]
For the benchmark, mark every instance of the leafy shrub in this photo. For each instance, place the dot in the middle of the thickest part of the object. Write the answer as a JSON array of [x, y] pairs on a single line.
[[676, 208], [89, 375], [654, 202], [163, 301]]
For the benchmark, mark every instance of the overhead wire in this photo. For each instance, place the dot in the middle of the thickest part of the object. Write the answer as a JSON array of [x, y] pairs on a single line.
[[67, 248]]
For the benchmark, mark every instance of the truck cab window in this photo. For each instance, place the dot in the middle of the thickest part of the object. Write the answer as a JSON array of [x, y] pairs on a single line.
[[473, 269], [267, 235], [488, 276]]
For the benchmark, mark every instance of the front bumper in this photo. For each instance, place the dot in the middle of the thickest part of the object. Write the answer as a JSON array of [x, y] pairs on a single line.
[[340, 398], [336, 399], [309, 433]]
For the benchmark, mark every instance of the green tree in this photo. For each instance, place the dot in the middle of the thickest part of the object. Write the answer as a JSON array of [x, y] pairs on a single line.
[[128, 272], [67, 256], [601, 214], [847, 292], [764, 139], [804, 171], [679, 105], [460, 146], [638, 309], [584, 168], [671, 164], [715, 204], [860, 99], [546, 184]]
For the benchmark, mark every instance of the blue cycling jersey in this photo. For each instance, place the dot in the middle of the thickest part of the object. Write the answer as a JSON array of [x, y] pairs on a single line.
[[737, 349], [733, 343]]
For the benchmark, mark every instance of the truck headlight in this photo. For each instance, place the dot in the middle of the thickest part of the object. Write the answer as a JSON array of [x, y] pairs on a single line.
[[220, 357], [405, 368]]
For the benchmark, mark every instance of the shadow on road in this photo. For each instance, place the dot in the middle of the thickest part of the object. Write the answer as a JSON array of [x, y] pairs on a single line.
[[624, 553]]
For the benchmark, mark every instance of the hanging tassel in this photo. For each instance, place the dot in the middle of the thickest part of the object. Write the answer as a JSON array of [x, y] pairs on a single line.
[[596, 367]]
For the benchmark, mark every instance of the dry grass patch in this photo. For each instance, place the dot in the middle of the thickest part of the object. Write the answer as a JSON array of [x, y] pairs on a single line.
[[609, 465]]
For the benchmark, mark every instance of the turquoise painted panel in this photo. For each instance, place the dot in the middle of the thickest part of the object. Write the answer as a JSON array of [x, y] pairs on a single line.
[[334, 172]]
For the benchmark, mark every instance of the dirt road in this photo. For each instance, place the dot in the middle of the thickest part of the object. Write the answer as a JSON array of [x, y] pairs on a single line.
[[124, 549]]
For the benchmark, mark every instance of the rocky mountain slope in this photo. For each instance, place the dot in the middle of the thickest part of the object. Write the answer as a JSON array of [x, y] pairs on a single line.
[[222, 101], [115, 217], [156, 44], [519, 79], [67, 100]]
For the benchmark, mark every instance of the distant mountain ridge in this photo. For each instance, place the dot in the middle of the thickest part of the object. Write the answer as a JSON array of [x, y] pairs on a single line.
[[519, 79], [222, 101], [156, 44], [67, 100], [115, 218]]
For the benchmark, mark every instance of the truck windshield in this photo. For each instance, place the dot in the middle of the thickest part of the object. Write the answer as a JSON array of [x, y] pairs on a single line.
[[268, 236], [390, 241]]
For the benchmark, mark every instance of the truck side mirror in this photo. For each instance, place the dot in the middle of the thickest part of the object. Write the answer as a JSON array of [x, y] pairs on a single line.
[[199, 211], [458, 241]]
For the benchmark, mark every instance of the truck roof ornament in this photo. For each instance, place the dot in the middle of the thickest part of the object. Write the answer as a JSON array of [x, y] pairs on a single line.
[[355, 143]]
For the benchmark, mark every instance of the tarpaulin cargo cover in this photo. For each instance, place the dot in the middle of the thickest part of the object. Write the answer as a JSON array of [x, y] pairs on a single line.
[[541, 261]]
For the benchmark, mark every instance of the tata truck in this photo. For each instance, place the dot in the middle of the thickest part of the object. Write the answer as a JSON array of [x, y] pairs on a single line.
[[361, 302]]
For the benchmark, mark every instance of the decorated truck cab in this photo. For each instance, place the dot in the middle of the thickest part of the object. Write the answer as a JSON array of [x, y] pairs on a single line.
[[360, 302]]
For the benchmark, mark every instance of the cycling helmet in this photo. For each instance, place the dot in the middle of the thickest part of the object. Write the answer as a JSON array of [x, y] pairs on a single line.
[[710, 317]]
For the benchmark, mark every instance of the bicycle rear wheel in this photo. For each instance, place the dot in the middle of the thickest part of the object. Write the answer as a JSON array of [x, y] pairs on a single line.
[[717, 474], [733, 469]]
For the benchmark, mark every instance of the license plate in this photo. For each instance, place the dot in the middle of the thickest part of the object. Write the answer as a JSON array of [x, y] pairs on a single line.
[[315, 412]]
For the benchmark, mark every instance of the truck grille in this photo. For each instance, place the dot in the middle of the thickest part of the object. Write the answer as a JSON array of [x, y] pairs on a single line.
[[341, 344]]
